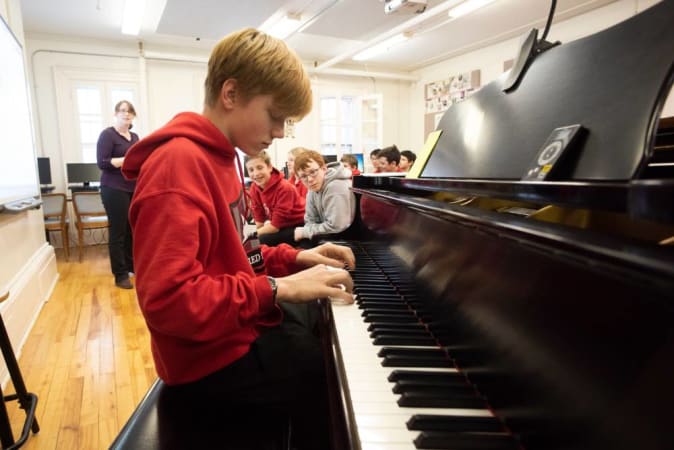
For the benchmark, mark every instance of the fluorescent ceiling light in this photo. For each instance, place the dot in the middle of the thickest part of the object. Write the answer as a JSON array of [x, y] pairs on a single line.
[[467, 7], [381, 47], [133, 16], [283, 27]]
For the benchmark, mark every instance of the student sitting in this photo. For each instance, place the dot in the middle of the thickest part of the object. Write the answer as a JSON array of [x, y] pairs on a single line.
[[331, 206], [374, 154], [290, 164], [350, 162], [277, 207], [407, 158], [388, 159]]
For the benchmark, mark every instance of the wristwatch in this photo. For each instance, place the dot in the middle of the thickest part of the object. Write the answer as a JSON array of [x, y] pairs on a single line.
[[274, 288]]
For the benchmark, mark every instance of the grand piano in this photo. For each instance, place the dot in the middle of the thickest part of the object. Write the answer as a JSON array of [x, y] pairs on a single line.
[[500, 313]]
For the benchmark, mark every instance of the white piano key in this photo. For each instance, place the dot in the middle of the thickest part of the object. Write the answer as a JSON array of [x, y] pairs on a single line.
[[386, 446], [381, 435], [385, 408], [380, 422]]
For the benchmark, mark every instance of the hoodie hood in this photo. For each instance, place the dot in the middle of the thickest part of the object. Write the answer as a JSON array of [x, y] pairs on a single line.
[[336, 171], [192, 126]]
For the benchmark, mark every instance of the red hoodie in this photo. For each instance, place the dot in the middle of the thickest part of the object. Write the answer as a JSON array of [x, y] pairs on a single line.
[[278, 202], [202, 300], [301, 188]]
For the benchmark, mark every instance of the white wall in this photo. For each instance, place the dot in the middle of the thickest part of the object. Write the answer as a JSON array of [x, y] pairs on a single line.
[[171, 83], [490, 60], [27, 262]]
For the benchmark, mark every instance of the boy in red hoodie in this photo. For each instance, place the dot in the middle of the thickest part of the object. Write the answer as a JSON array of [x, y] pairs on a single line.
[[277, 207], [292, 178], [223, 334]]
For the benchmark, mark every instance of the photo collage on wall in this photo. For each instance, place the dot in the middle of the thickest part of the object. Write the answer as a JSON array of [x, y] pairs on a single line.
[[289, 129], [440, 95]]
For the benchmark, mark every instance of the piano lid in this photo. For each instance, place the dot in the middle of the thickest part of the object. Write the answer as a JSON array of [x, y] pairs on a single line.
[[614, 83]]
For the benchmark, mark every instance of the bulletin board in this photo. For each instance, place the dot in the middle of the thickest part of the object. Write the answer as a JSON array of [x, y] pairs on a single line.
[[440, 95]]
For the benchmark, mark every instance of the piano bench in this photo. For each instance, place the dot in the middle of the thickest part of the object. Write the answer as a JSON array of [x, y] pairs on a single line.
[[163, 422]]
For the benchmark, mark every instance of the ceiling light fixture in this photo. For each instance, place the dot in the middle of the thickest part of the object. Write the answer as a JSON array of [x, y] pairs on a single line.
[[283, 27], [467, 7], [133, 16], [382, 47]]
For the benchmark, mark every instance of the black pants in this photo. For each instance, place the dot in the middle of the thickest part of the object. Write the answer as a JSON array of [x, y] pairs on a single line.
[[283, 375], [120, 242], [284, 235]]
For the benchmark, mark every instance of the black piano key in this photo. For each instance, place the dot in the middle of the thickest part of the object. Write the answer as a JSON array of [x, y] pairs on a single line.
[[368, 304], [380, 297], [422, 399], [416, 375], [391, 339], [419, 361], [404, 325], [429, 422], [393, 312], [465, 441], [395, 300], [431, 384], [399, 331], [412, 352], [399, 314], [391, 318], [448, 389], [384, 290]]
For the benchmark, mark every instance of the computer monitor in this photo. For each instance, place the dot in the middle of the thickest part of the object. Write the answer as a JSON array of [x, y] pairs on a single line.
[[44, 170], [84, 173], [361, 161], [329, 158]]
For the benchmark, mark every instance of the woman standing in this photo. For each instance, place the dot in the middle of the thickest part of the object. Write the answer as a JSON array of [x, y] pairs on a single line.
[[116, 191]]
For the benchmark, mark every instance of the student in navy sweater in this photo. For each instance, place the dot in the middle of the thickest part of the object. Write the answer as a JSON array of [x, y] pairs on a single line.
[[277, 206], [116, 191]]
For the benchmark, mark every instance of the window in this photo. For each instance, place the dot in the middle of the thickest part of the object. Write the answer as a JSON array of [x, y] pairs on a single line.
[[338, 124], [95, 106], [349, 123]]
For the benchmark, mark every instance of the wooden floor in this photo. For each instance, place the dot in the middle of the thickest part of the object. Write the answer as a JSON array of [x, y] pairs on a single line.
[[87, 358]]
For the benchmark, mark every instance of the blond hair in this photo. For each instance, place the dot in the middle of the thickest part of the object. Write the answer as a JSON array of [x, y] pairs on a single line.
[[304, 158], [351, 160], [261, 65], [263, 155], [296, 151]]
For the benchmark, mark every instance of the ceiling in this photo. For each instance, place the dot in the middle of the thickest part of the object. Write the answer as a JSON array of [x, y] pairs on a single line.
[[333, 31]]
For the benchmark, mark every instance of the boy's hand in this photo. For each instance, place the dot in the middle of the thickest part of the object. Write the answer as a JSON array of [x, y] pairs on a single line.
[[320, 281], [328, 254]]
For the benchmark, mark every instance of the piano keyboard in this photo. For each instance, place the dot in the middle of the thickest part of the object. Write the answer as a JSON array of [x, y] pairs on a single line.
[[404, 388]]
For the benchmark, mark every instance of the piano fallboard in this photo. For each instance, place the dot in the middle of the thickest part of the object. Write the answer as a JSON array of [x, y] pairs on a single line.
[[565, 335]]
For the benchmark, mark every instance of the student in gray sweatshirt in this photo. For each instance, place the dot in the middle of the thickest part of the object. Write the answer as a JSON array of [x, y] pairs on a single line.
[[331, 206]]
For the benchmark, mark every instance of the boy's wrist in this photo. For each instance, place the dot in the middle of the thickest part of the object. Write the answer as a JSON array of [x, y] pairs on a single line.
[[274, 289]]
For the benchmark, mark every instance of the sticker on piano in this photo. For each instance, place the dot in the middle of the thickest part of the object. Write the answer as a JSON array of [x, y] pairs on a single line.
[[550, 160]]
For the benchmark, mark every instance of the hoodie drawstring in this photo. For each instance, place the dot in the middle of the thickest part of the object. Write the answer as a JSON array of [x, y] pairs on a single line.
[[246, 195]]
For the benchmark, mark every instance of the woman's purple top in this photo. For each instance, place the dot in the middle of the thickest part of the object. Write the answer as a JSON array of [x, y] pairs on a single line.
[[110, 145]]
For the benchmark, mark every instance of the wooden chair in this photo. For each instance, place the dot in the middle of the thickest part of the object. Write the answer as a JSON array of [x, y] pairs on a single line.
[[89, 214], [55, 207]]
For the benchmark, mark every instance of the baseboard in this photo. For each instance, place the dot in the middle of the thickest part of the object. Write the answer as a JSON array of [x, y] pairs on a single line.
[[28, 291]]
